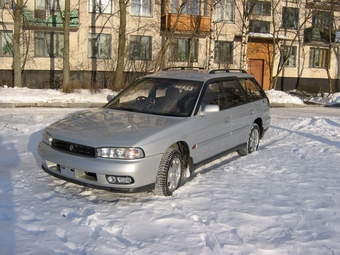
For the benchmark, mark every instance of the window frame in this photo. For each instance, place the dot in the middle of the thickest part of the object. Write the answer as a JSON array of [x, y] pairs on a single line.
[[225, 11], [322, 54], [96, 38], [292, 58], [41, 40], [228, 59], [136, 45], [176, 53], [141, 5], [260, 24], [260, 8], [321, 19], [290, 17], [98, 7], [49, 5], [199, 7], [5, 43], [4, 2]]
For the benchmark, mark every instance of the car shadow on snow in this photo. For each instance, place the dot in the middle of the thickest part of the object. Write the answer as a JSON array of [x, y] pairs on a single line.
[[217, 163]]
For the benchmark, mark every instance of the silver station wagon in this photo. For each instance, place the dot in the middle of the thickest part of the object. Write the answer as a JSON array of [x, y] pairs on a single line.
[[157, 131]]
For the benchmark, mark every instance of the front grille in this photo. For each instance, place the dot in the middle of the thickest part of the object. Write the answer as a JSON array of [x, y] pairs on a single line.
[[74, 148]]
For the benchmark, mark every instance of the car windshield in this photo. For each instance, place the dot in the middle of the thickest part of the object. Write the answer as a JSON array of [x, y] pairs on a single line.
[[159, 96]]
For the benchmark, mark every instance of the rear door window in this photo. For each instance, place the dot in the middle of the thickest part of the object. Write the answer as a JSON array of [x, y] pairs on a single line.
[[253, 90], [233, 93]]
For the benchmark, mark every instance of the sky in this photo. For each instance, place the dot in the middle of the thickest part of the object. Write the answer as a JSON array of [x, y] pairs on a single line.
[[282, 199]]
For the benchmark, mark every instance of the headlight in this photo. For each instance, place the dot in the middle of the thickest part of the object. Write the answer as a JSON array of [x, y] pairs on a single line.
[[120, 153], [46, 138]]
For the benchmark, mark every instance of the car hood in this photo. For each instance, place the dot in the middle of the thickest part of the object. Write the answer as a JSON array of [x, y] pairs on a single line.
[[108, 127]]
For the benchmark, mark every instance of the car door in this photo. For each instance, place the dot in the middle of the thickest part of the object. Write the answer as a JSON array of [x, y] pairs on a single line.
[[258, 98], [213, 129], [241, 110]]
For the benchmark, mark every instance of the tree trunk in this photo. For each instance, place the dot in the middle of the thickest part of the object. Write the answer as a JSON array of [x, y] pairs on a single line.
[[16, 43], [118, 81], [66, 50]]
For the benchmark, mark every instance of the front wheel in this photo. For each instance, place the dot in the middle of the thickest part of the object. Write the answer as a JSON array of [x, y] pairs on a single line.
[[253, 141], [169, 173]]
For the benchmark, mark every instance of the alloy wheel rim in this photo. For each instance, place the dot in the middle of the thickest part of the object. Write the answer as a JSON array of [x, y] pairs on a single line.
[[253, 140], [174, 174]]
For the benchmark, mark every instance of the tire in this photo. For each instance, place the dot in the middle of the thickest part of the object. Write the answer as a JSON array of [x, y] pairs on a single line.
[[253, 141], [169, 173]]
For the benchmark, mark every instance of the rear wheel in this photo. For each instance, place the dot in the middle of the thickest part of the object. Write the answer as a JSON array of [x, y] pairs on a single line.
[[253, 141], [169, 173]]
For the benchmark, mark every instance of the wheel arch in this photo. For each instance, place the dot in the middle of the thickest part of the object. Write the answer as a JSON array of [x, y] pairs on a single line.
[[259, 122], [183, 147]]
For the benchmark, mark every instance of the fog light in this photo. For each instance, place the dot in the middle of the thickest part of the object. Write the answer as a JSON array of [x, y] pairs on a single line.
[[111, 179], [119, 179], [124, 179]]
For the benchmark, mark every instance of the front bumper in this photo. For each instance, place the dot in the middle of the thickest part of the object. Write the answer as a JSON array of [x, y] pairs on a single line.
[[92, 172]]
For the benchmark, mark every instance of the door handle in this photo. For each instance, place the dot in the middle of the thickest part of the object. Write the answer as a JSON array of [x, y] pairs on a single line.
[[252, 111], [227, 119]]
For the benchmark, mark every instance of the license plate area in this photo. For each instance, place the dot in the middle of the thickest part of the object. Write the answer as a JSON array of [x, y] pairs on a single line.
[[66, 171], [77, 174]]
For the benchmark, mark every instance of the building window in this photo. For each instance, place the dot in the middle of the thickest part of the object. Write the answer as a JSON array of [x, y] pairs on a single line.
[[290, 18], [51, 5], [180, 49], [288, 56], [6, 4], [318, 58], [259, 8], [321, 20], [257, 26], [225, 11], [189, 7], [48, 44], [100, 6], [99, 46], [223, 52], [140, 47], [6, 43], [141, 7]]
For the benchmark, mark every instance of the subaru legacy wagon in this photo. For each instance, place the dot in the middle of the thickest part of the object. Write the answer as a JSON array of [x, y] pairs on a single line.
[[156, 132]]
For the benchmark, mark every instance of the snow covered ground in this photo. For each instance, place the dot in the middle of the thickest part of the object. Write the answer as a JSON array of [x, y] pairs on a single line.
[[282, 199]]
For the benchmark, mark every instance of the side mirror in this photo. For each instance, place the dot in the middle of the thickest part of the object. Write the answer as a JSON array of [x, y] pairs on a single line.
[[110, 97], [210, 108]]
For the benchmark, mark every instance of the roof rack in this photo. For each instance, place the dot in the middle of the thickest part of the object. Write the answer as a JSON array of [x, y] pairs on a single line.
[[227, 70], [183, 68]]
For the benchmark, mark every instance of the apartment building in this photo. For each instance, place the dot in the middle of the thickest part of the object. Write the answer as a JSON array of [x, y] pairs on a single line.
[[295, 41]]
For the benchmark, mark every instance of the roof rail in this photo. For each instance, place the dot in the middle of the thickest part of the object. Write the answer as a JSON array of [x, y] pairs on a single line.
[[227, 70], [183, 68]]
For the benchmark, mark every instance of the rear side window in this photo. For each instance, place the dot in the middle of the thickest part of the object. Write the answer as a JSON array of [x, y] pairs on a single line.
[[225, 94], [233, 93], [253, 90]]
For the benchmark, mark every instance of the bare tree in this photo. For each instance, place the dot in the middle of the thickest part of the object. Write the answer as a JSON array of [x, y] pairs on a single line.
[[283, 47], [244, 8], [118, 81], [66, 49], [18, 15], [168, 37]]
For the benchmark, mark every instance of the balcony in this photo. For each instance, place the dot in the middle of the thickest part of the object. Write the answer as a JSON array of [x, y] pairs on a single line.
[[323, 4], [314, 34], [46, 18], [185, 23]]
